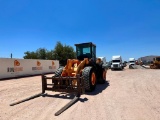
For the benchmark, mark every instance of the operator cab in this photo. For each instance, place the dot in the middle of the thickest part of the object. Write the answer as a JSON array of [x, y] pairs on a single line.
[[86, 50], [157, 58]]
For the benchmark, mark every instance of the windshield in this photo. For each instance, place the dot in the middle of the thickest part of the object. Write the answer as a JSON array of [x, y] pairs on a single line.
[[83, 51], [86, 50], [115, 60], [131, 61]]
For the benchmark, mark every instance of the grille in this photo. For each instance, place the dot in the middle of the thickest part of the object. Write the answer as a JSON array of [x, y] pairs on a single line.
[[116, 66]]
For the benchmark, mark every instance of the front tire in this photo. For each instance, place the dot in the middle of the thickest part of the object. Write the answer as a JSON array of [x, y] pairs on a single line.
[[89, 76], [58, 73]]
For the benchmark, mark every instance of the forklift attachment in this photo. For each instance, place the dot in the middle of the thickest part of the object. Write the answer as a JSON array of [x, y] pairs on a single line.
[[60, 84]]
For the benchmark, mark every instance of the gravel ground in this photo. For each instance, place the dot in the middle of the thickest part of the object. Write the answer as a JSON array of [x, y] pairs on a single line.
[[131, 94]]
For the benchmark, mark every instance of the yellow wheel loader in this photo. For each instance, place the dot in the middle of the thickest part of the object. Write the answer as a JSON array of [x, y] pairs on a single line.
[[155, 63], [86, 65]]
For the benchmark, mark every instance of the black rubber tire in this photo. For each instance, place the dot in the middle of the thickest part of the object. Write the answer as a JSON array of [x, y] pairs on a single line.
[[101, 80], [130, 67], [57, 73], [121, 68], [86, 74]]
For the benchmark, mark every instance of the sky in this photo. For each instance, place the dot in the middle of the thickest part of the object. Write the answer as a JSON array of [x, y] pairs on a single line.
[[130, 28]]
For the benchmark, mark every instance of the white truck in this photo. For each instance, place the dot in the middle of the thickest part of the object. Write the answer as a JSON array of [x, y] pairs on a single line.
[[117, 63], [131, 61]]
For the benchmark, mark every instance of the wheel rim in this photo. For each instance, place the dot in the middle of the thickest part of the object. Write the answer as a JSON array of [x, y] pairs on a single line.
[[93, 78], [104, 74]]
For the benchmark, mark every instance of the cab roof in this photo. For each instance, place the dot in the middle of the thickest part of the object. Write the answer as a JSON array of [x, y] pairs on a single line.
[[90, 43]]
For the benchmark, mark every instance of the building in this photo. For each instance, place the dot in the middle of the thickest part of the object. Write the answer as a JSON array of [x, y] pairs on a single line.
[[146, 59]]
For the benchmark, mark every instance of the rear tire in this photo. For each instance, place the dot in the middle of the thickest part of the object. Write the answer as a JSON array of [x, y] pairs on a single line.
[[102, 78], [89, 76]]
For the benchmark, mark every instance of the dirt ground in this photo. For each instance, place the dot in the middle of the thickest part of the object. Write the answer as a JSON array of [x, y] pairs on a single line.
[[131, 94]]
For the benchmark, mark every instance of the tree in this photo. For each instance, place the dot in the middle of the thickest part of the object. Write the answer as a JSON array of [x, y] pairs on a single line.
[[30, 55], [42, 53], [50, 55], [63, 52]]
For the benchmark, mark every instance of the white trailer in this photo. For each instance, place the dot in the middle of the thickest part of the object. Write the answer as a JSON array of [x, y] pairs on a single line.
[[103, 59], [104, 62], [117, 63]]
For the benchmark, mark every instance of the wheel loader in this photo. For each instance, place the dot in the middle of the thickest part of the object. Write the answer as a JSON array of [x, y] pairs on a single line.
[[155, 63], [77, 76]]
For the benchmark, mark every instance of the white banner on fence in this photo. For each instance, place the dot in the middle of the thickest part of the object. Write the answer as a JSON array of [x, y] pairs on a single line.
[[23, 67]]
